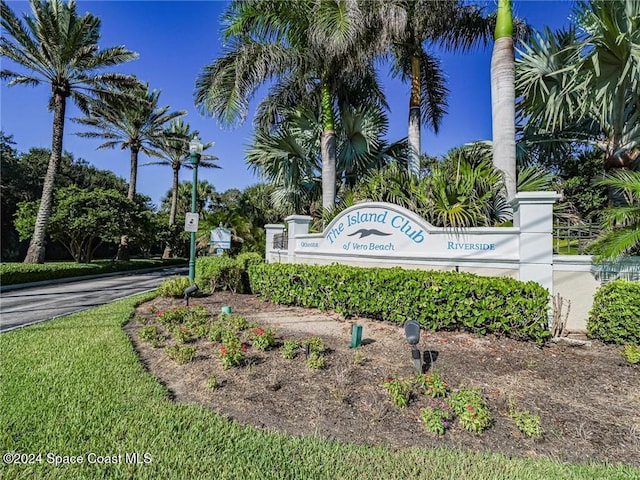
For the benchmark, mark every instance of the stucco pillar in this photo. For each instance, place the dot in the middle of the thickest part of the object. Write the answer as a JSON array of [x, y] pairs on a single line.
[[298, 225], [271, 231], [533, 215]]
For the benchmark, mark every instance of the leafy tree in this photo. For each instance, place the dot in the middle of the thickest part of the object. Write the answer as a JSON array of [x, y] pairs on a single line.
[[11, 192], [58, 48], [584, 87], [318, 51], [83, 219], [22, 181], [582, 195], [133, 121]]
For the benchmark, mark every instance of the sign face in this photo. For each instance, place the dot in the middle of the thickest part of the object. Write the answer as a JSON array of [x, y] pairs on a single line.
[[220, 238], [382, 229], [191, 222]]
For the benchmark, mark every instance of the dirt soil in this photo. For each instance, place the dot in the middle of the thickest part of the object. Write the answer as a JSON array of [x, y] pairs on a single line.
[[588, 398]]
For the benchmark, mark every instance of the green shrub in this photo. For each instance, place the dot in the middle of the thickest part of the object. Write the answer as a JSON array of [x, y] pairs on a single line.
[[180, 353], [218, 273], [437, 300], [174, 287], [471, 408], [15, 273], [631, 353], [615, 313], [245, 260]]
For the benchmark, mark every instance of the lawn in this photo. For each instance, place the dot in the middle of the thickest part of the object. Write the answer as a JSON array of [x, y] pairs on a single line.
[[74, 387]]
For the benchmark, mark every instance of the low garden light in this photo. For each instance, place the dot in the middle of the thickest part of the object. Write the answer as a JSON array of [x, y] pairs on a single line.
[[188, 292], [412, 333], [195, 150]]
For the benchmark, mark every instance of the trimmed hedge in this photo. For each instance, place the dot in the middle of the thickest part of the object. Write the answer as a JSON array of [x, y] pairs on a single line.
[[615, 315], [225, 273], [15, 273], [437, 300]]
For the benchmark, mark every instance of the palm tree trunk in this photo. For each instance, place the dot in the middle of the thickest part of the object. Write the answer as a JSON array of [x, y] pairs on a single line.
[[503, 98], [123, 248], [36, 251], [414, 118], [174, 196], [174, 206], [328, 150]]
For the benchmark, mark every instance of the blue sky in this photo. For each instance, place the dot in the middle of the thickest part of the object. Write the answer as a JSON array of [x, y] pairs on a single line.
[[175, 39]]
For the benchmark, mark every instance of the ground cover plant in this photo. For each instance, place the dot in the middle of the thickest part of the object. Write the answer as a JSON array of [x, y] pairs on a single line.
[[75, 386]]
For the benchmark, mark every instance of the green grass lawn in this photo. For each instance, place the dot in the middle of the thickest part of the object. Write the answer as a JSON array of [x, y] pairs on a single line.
[[74, 387]]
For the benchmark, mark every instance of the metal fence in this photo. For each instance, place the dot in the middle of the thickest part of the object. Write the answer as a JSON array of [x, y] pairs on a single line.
[[572, 239], [281, 241]]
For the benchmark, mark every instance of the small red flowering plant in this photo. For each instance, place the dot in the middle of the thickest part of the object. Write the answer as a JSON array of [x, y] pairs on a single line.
[[471, 408], [431, 384], [263, 338], [231, 352]]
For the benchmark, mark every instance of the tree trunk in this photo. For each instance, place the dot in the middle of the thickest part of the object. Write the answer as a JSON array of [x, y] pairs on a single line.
[[328, 150], [123, 248], [503, 99], [36, 251], [174, 205], [414, 118]]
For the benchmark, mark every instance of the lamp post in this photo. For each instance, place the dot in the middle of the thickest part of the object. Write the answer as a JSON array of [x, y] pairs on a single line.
[[195, 149]]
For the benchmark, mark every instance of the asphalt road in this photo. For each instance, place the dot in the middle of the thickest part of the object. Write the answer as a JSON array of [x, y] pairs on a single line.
[[19, 308]]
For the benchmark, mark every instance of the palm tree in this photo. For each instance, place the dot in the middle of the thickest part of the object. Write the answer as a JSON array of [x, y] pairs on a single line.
[[621, 232], [290, 156], [58, 48], [308, 49], [131, 121], [173, 148], [503, 98], [584, 88], [410, 26]]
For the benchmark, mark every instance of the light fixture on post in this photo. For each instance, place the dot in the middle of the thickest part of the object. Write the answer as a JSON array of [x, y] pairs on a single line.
[[195, 150]]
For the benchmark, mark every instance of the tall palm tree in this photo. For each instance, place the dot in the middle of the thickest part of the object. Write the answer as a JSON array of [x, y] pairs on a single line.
[[133, 121], [584, 87], [59, 48], [503, 98], [173, 148], [410, 27], [303, 47]]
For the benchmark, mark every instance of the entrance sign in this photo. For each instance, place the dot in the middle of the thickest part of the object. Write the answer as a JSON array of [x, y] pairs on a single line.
[[220, 238], [191, 222], [382, 229]]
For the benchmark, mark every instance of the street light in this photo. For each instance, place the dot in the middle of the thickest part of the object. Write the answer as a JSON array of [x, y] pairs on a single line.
[[195, 150]]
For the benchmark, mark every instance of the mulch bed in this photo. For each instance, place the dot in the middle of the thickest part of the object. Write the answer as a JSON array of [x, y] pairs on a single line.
[[588, 398]]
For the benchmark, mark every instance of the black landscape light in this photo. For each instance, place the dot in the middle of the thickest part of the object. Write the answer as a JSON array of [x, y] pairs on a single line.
[[189, 291], [412, 332]]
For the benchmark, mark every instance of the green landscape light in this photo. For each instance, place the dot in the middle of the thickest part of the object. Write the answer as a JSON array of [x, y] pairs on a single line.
[[195, 150]]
